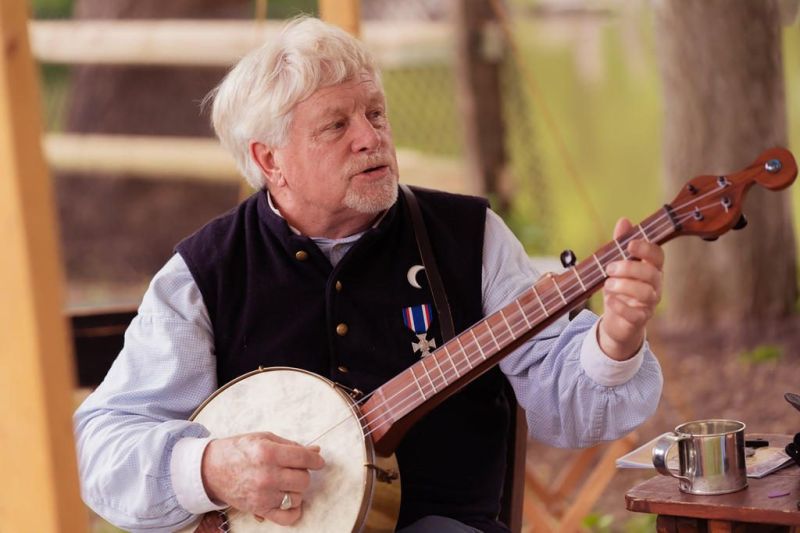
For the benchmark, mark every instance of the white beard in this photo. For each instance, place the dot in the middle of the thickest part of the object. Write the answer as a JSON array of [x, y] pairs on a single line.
[[374, 198]]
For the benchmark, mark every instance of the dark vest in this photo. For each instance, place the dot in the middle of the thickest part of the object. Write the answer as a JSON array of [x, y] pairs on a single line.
[[272, 306]]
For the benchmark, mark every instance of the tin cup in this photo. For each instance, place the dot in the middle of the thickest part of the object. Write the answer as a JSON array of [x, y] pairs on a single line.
[[710, 456]]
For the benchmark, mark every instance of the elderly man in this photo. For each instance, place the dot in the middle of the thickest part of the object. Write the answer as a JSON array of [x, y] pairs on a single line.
[[312, 272]]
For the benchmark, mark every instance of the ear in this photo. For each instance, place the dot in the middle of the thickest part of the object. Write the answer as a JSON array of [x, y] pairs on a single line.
[[264, 158]]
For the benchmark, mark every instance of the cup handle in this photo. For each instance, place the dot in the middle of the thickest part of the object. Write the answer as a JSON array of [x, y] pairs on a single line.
[[660, 451]]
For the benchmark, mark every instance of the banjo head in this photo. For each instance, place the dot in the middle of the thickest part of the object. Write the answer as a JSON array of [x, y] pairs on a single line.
[[302, 406]]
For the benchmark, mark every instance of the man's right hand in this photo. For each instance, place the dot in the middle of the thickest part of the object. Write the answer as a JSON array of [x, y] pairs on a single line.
[[253, 472]]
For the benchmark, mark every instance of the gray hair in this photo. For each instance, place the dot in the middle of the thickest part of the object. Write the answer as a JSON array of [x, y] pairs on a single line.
[[256, 98]]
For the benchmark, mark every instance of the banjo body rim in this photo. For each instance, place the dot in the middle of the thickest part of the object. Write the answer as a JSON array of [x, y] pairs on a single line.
[[380, 493]]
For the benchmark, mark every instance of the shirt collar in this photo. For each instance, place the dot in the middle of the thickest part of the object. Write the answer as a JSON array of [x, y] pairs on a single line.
[[296, 231]]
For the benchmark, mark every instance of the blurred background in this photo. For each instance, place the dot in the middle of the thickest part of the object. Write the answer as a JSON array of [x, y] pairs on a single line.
[[567, 113]]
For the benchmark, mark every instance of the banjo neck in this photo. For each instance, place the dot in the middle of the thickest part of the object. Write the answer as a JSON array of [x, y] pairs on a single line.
[[399, 403], [707, 206]]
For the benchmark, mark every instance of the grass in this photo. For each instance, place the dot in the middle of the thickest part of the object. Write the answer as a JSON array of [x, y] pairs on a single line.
[[606, 523], [764, 353]]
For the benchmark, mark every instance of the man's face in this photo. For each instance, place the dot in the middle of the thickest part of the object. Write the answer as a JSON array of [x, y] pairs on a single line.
[[339, 155]]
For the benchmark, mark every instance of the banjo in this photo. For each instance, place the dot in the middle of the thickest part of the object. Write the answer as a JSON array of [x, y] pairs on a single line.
[[359, 488]]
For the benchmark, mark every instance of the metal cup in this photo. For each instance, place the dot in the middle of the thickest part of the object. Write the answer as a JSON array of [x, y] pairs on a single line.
[[710, 456]]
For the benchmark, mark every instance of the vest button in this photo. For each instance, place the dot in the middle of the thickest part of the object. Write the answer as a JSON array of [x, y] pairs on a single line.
[[302, 255], [343, 369], [338, 286], [341, 329]]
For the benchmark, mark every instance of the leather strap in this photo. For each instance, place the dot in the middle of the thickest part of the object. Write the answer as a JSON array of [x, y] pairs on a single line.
[[428, 261]]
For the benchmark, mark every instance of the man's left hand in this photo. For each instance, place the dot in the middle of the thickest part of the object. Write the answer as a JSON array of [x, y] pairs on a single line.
[[630, 296]]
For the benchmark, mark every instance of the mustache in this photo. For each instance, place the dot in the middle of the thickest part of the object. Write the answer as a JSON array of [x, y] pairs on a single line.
[[367, 162]]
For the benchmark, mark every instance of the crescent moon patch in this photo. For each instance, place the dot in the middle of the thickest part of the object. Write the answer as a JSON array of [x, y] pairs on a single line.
[[412, 276]]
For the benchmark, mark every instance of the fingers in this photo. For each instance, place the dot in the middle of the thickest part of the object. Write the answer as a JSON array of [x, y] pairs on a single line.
[[292, 480], [647, 251], [295, 497], [253, 472], [640, 248], [635, 292], [624, 318], [293, 455], [284, 518], [631, 294], [621, 227]]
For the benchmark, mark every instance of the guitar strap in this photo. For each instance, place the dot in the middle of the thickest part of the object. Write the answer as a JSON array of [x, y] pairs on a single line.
[[428, 261]]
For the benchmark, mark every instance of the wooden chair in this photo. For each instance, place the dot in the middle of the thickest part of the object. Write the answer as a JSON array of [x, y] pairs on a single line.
[[560, 505], [511, 504], [97, 337]]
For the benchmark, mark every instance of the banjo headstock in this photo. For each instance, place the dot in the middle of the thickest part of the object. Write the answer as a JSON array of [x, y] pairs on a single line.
[[709, 206]]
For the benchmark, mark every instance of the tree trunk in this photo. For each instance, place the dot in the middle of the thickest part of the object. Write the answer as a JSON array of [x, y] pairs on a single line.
[[722, 73], [478, 60], [121, 228]]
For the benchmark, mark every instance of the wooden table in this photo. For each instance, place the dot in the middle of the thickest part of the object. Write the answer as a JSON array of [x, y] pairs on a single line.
[[749, 510]]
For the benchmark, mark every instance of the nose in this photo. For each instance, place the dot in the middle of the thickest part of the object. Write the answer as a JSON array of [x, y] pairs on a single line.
[[366, 137]]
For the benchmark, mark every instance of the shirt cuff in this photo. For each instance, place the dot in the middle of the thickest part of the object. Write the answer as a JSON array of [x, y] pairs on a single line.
[[601, 368], [187, 480]]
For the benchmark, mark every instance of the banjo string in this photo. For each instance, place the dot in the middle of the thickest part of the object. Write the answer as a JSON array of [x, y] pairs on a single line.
[[658, 222], [661, 223]]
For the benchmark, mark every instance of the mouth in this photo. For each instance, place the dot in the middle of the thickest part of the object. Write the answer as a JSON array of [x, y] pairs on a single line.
[[377, 171]]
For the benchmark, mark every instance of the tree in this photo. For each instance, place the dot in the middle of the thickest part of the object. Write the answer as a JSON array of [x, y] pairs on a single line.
[[479, 100], [722, 74]]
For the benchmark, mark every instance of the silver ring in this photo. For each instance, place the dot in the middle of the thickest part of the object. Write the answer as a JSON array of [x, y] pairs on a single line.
[[286, 502]]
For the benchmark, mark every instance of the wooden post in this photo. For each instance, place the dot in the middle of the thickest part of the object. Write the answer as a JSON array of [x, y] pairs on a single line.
[[479, 98], [344, 13], [37, 452]]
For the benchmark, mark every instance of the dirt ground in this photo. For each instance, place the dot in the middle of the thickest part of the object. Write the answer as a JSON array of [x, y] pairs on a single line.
[[739, 372]]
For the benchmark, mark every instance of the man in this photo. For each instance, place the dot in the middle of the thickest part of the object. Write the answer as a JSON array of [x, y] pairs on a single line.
[[312, 272]]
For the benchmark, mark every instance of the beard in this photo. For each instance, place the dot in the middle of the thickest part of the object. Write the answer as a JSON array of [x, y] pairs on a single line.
[[372, 197]]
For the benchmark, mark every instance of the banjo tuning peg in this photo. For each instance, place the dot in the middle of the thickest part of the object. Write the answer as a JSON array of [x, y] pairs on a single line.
[[741, 223], [568, 258]]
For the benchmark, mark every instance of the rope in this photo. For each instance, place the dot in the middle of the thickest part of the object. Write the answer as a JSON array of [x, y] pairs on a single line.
[[536, 95]]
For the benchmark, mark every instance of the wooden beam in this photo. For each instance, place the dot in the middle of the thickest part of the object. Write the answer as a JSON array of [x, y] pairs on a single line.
[[40, 488], [204, 159], [218, 43], [344, 13], [148, 42], [198, 158]]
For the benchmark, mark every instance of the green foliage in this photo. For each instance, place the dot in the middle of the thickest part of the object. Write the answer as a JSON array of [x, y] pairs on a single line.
[[764, 353], [599, 523], [605, 523], [422, 108], [51, 9], [523, 220], [640, 523], [55, 89], [283, 9]]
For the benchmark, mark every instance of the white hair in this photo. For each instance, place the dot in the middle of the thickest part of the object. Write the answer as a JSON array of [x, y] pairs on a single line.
[[256, 98]]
